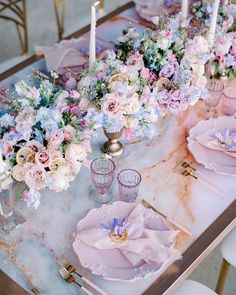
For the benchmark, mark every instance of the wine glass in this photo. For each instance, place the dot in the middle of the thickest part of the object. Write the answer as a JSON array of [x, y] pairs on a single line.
[[102, 173], [129, 181], [229, 101], [215, 88]]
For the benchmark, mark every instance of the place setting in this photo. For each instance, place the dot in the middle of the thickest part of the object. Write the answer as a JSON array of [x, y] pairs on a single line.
[[112, 151]]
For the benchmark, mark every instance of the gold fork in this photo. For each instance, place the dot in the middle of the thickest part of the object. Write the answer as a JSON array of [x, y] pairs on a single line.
[[71, 269], [70, 279]]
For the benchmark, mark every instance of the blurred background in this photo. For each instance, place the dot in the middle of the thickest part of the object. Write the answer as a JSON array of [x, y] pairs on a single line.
[[40, 18]]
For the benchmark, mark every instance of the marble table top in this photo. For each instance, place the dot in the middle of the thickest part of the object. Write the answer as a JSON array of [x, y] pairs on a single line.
[[28, 253]]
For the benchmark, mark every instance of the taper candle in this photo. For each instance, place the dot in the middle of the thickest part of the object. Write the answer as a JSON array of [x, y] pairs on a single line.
[[184, 9], [92, 43], [212, 30]]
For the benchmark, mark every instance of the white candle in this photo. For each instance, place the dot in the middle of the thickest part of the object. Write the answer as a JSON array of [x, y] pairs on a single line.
[[184, 9], [2, 164], [212, 30], [92, 43]]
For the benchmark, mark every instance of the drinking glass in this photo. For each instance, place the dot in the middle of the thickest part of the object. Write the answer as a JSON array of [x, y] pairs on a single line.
[[229, 101], [9, 218], [102, 173], [129, 181], [215, 88]]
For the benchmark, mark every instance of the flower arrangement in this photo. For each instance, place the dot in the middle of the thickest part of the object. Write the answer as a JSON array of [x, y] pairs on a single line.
[[44, 137], [173, 67], [223, 62], [116, 90], [202, 11]]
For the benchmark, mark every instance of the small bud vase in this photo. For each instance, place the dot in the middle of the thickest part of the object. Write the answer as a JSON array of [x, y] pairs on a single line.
[[113, 147]]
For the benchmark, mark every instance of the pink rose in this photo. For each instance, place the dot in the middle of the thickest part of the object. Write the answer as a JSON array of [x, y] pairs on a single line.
[[69, 133], [35, 145], [42, 158], [145, 73], [74, 109], [112, 106], [35, 176], [55, 138]]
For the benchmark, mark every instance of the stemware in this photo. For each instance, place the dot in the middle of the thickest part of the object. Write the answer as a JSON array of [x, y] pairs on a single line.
[[229, 101], [129, 181], [9, 219], [215, 88], [102, 173]]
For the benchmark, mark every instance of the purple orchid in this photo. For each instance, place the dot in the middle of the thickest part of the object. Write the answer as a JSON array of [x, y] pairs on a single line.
[[118, 226], [227, 139]]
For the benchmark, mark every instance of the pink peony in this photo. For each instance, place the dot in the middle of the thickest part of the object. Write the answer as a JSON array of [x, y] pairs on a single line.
[[35, 176]]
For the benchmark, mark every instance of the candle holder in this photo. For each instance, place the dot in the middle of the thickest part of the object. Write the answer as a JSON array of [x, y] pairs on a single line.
[[9, 219]]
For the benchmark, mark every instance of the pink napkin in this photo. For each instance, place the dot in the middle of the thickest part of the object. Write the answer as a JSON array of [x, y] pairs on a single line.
[[211, 142], [142, 244], [62, 55], [148, 9]]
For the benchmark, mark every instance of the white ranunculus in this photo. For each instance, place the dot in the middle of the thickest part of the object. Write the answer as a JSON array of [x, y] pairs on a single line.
[[75, 153]]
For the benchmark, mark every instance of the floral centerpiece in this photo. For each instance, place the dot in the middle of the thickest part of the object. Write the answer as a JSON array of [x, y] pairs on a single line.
[[173, 67], [223, 61], [44, 138]]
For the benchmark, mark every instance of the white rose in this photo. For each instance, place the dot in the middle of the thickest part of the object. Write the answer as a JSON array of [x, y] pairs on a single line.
[[75, 153], [132, 105], [60, 179], [198, 69]]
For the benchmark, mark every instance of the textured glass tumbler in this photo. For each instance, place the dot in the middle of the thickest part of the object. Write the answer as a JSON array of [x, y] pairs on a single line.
[[229, 101], [9, 218], [129, 181], [215, 88], [102, 174]]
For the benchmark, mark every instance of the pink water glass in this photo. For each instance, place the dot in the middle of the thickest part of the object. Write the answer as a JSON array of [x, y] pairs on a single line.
[[215, 88], [129, 181], [102, 173], [229, 101]]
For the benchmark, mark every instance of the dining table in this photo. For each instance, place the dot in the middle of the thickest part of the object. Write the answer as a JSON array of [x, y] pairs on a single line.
[[28, 255]]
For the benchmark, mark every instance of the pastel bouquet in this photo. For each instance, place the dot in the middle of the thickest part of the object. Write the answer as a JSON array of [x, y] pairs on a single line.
[[116, 91], [172, 66], [44, 137], [223, 62], [202, 10]]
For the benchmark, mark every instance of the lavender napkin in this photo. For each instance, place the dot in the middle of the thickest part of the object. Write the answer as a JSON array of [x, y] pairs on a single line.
[[141, 243]]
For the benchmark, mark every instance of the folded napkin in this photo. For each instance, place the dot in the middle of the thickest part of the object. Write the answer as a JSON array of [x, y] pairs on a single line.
[[220, 141], [69, 53], [140, 244]]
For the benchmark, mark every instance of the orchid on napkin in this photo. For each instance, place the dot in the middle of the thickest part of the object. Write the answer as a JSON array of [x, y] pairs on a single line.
[[142, 244], [224, 141]]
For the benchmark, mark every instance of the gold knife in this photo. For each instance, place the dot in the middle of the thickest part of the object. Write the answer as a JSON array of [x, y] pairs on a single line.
[[179, 226]]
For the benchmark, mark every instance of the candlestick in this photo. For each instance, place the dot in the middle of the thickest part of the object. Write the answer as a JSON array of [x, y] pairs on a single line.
[[212, 30], [184, 9], [92, 44]]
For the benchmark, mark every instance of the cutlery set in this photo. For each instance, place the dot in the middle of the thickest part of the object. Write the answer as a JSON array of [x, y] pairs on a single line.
[[187, 170], [66, 271]]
